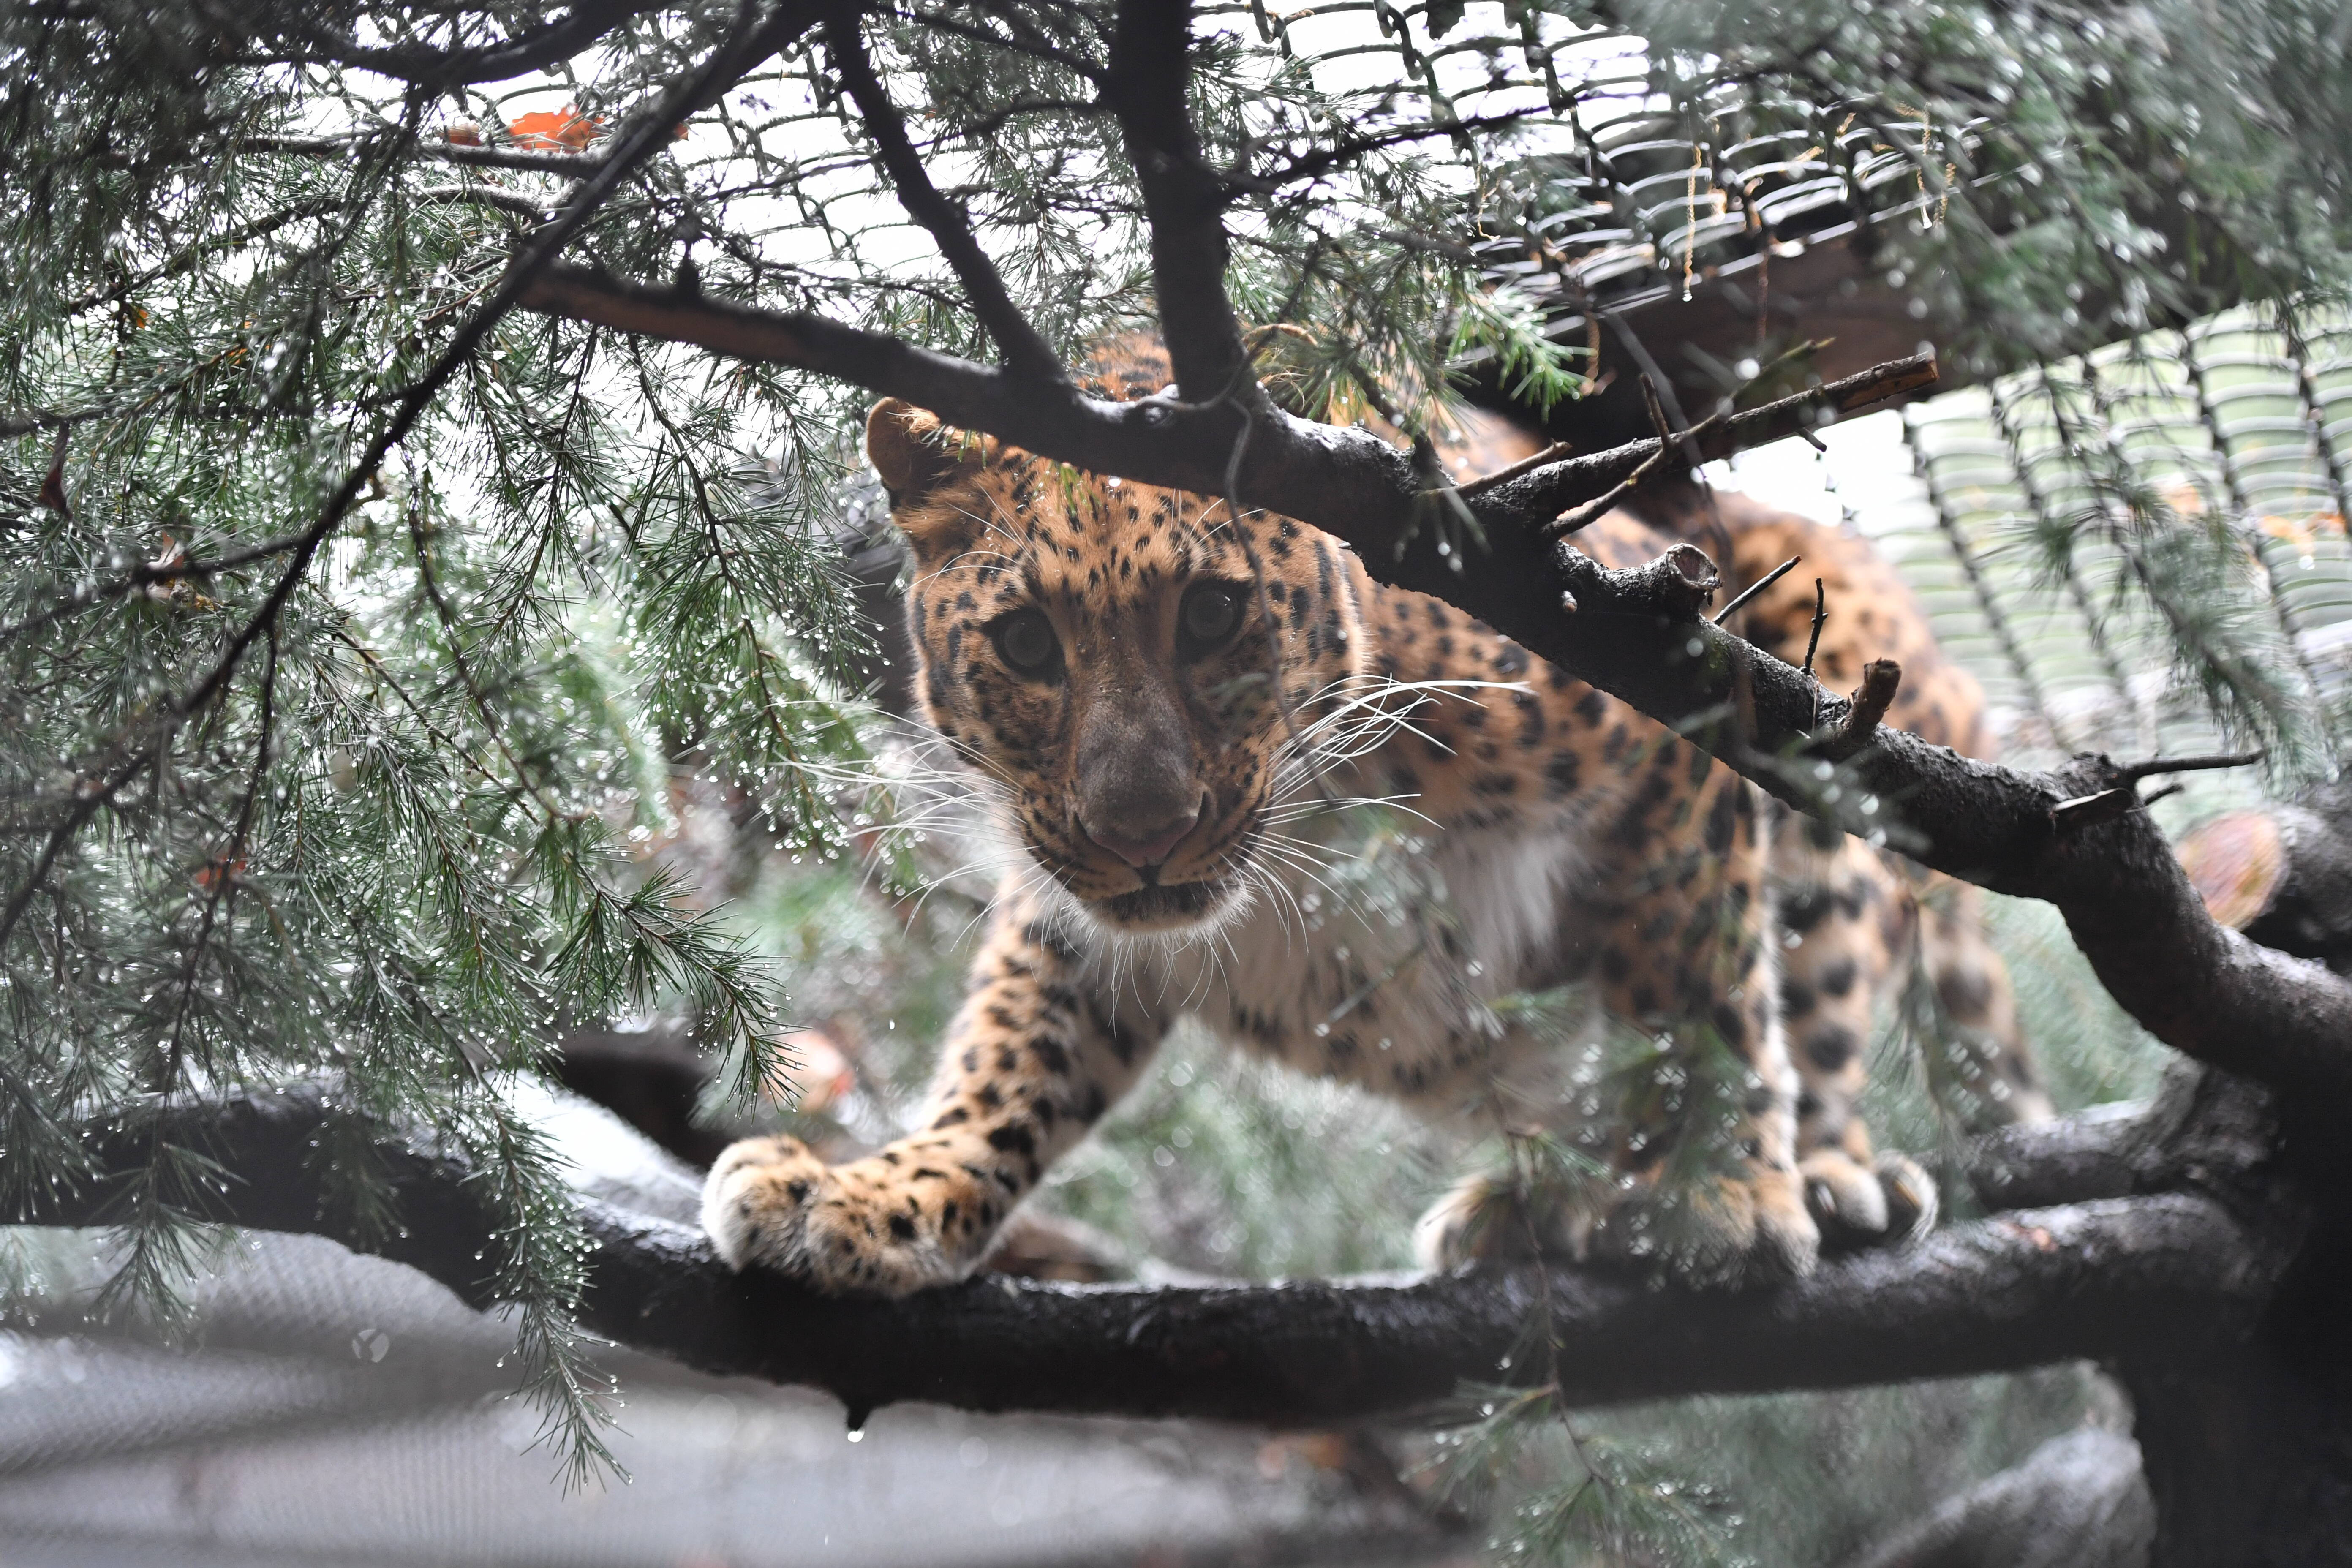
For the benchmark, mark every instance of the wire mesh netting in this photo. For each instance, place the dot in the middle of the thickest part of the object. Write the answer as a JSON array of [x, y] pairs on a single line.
[[1647, 174], [2047, 501], [2047, 521]]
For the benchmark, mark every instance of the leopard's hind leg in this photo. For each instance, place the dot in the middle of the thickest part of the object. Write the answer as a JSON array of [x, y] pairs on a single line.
[[1686, 962], [2000, 1081], [1845, 923]]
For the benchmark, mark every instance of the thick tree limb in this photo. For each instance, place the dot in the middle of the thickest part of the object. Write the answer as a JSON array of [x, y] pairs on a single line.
[[2163, 1275], [1151, 69], [1349, 482], [2281, 875], [2205, 1130]]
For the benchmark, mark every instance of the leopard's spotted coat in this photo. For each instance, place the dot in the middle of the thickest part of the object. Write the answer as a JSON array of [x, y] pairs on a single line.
[[1158, 785]]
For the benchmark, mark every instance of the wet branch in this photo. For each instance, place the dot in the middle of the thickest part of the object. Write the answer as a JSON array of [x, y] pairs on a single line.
[[1351, 483], [534, 49], [2169, 1273]]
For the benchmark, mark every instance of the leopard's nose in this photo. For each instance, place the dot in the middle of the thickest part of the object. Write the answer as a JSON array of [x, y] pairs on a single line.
[[1149, 848]]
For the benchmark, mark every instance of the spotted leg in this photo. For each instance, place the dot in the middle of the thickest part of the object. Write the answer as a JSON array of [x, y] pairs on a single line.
[[1845, 922], [1031, 1063], [1690, 960], [1972, 985]]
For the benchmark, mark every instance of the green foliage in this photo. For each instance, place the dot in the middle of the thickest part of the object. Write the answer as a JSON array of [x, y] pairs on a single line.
[[375, 813], [1558, 1493], [373, 792]]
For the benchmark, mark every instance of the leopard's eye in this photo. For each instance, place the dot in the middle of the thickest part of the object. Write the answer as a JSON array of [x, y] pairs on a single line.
[[1025, 641], [1212, 613]]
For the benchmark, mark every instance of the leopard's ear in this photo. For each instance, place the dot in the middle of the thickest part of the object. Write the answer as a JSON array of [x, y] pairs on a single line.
[[912, 451]]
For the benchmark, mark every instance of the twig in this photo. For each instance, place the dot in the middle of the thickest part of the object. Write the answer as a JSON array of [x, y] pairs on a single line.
[[2135, 771], [1821, 615], [1813, 646], [1881, 679], [2124, 798], [225, 869], [1790, 356], [571, 165], [88, 797], [1598, 507], [141, 575], [1659, 426], [1485, 482], [513, 202], [2103, 806], [1756, 587]]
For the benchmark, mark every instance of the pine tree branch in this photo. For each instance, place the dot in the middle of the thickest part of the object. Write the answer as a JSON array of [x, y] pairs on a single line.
[[2169, 1274], [86, 596], [533, 49], [136, 752], [571, 165]]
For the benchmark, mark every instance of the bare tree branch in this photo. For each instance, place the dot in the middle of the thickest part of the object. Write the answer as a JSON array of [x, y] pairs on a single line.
[[2203, 1130], [1150, 68], [1025, 353], [2164, 1274]]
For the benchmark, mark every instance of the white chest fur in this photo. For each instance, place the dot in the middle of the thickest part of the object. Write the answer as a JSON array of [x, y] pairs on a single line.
[[1379, 961]]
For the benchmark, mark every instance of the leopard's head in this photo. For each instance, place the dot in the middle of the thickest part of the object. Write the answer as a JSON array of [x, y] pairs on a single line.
[[1108, 653]]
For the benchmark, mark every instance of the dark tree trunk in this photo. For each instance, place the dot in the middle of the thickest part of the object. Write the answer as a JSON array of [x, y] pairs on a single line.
[[2247, 1457], [2247, 1445]]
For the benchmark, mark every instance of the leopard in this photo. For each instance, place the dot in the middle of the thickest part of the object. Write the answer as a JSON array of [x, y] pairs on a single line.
[[1162, 703]]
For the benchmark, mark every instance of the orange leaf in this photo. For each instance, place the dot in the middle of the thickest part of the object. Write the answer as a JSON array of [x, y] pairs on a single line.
[[564, 130]]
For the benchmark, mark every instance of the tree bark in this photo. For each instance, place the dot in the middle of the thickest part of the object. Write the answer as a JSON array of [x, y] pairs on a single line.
[[2172, 1277], [2247, 1442]]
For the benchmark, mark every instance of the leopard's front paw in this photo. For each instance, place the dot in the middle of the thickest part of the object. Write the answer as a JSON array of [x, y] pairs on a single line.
[[770, 1201], [1722, 1234]]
